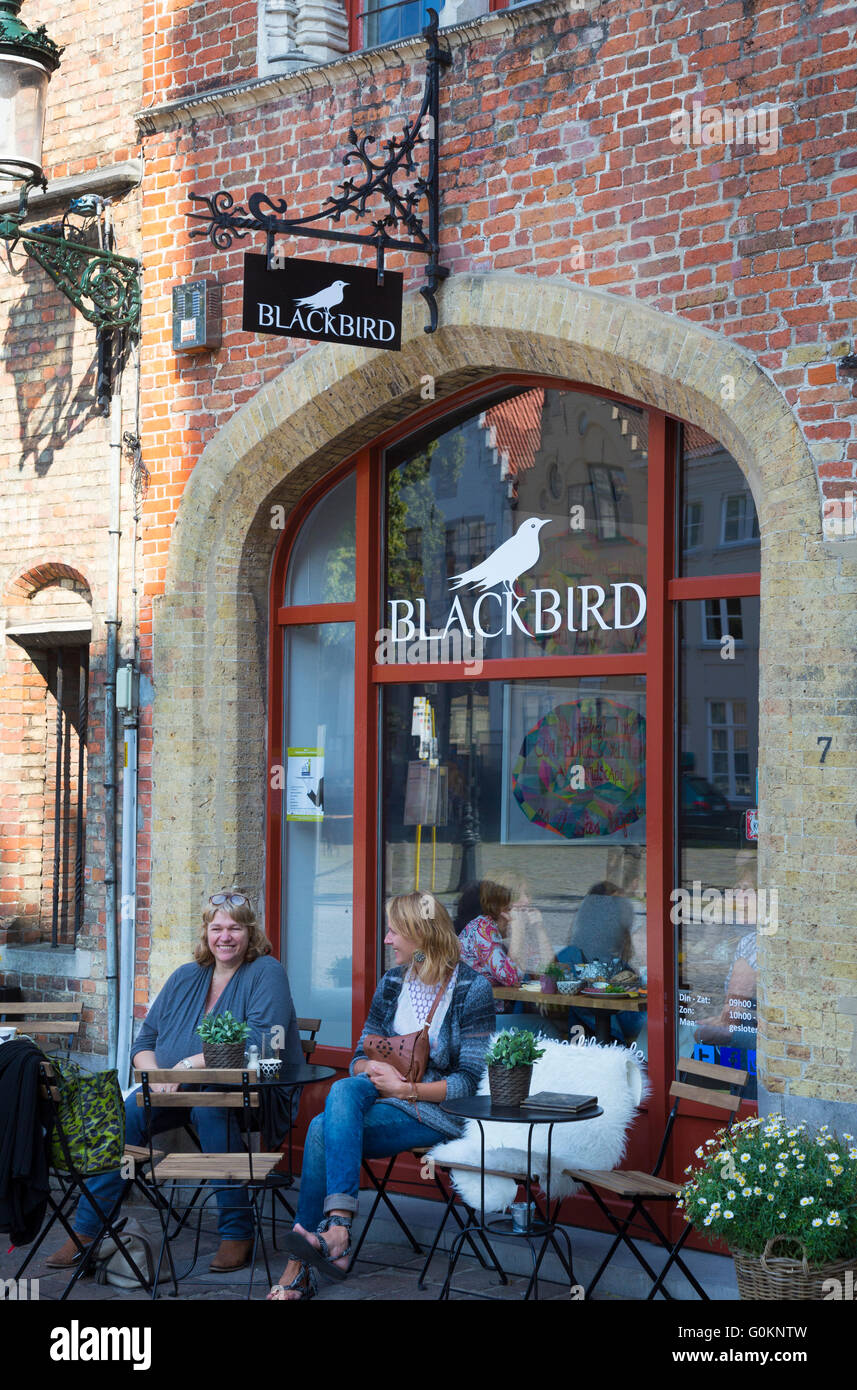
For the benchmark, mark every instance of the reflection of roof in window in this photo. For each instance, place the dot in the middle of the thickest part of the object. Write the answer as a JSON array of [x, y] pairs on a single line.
[[514, 430], [698, 444]]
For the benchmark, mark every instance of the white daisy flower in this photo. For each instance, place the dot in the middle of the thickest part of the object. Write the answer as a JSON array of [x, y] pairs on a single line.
[[770, 1196], [728, 1215], [807, 1201], [818, 1221], [745, 1158]]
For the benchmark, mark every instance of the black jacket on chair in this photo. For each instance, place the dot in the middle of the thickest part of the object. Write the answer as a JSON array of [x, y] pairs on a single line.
[[24, 1182]]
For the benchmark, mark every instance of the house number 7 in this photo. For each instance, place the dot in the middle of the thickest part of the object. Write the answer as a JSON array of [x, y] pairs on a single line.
[[823, 738]]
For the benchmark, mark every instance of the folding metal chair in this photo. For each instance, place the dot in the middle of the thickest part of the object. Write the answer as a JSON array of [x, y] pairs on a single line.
[[451, 1202], [73, 1185], [193, 1172], [641, 1188]]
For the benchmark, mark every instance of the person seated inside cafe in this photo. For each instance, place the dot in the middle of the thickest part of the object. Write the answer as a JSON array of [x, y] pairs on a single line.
[[485, 943], [602, 931]]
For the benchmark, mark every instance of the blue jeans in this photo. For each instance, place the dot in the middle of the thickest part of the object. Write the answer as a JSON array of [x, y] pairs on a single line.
[[218, 1133], [356, 1124]]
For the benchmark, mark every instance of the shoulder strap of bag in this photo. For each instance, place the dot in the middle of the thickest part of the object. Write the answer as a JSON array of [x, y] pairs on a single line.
[[437, 998]]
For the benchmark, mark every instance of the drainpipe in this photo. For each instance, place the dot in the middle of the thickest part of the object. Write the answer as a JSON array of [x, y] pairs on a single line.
[[112, 623], [128, 907]]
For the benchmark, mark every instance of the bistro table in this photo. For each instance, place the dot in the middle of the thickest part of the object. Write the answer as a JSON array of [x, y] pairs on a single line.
[[604, 1005], [543, 1226]]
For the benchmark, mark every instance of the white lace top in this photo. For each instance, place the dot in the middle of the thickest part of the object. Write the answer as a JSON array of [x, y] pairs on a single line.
[[415, 1001]]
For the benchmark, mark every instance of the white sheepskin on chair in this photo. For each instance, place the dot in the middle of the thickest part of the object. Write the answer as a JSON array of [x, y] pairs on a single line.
[[613, 1074]]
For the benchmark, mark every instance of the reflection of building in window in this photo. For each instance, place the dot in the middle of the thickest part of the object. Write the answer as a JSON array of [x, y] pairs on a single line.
[[728, 747], [514, 432], [468, 542], [611, 501], [722, 618], [692, 525], [414, 543], [739, 519]]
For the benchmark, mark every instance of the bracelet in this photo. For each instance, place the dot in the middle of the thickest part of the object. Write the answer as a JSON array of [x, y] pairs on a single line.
[[413, 1097]]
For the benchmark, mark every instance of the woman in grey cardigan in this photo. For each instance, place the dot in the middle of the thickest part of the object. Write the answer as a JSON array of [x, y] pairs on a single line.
[[374, 1113], [232, 970]]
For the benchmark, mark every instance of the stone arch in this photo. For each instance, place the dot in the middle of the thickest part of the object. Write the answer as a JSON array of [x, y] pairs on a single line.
[[213, 616]]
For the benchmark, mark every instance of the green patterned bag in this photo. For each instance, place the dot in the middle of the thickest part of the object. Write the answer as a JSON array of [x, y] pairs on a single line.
[[92, 1115]]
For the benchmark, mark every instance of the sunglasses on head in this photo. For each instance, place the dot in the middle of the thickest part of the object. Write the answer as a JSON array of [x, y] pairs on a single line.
[[232, 899]]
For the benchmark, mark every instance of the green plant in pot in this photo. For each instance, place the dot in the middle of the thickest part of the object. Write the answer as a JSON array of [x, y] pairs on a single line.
[[223, 1039], [549, 977], [783, 1196], [510, 1061]]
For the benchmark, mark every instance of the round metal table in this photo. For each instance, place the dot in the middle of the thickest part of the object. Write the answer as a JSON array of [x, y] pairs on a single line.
[[543, 1227]]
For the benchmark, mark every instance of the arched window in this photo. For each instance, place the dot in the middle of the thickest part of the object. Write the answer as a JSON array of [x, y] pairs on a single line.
[[516, 644]]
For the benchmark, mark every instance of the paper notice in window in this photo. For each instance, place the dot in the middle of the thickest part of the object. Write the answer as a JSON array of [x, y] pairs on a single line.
[[305, 784]]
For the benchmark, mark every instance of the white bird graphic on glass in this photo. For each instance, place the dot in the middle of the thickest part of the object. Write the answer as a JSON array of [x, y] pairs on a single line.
[[324, 299], [514, 557]]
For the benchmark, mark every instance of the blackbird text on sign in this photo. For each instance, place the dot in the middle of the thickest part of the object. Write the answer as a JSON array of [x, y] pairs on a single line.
[[324, 302]]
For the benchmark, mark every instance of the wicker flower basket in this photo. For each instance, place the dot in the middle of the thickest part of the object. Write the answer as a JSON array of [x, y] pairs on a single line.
[[779, 1277], [509, 1085], [223, 1054]]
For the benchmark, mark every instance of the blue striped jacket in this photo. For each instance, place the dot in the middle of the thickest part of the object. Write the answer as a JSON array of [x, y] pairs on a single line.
[[459, 1054]]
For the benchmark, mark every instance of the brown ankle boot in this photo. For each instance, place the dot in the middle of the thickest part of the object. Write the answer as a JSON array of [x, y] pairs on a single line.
[[233, 1254], [68, 1254]]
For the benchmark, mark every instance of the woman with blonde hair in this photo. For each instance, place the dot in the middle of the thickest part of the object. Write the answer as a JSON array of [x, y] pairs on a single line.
[[374, 1113], [233, 970]]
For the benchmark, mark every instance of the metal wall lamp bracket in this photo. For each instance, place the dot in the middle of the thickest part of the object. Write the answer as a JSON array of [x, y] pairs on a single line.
[[224, 222], [102, 285]]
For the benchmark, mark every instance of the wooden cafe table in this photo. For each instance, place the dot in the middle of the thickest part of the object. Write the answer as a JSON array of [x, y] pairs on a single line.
[[603, 1005]]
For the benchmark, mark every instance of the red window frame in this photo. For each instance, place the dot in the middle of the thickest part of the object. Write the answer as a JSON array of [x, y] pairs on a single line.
[[657, 663]]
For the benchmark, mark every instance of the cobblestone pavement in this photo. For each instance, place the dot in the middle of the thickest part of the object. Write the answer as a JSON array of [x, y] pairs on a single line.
[[383, 1272]]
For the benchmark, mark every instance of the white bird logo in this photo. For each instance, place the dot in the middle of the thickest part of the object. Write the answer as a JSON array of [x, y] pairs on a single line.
[[511, 559], [324, 299]]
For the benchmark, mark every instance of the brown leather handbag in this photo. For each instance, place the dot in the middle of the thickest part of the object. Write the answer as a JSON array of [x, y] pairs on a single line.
[[407, 1052]]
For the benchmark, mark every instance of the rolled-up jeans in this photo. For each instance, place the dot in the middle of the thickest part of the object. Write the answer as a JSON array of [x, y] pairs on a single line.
[[356, 1124], [218, 1133]]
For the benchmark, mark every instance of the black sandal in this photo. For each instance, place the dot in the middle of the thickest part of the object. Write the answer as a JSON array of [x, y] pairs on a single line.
[[305, 1282], [319, 1255]]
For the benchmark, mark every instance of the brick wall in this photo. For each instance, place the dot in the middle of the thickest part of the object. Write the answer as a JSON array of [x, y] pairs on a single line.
[[54, 482], [556, 161]]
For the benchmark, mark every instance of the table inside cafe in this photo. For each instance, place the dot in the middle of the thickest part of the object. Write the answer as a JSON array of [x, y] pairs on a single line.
[[603, 1005]]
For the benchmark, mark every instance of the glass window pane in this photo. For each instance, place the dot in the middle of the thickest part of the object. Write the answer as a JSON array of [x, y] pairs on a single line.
[[715, 932], [710, 478], [321, 565], [519, 531], [538, 788], [318, 824]]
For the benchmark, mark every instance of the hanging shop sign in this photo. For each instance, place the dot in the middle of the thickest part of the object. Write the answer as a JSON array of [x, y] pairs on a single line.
[[323, 302]]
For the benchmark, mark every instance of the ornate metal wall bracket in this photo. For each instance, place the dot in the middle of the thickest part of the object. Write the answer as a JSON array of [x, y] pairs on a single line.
[[365, 195], [102, 285]]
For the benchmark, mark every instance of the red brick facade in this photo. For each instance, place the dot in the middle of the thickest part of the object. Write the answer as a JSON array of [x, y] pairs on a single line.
[[556, 161], [54, 509]]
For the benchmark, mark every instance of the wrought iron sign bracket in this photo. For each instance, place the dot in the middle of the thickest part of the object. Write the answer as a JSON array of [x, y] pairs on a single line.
[[103, 286], [225, 222]]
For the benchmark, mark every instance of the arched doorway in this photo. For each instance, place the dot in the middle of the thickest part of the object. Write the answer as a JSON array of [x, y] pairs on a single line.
[[515, 639]]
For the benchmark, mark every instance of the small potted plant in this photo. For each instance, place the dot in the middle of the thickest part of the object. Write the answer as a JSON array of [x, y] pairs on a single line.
[[223, 1039], [510, 1065], [783, 1196], [549, 977]]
